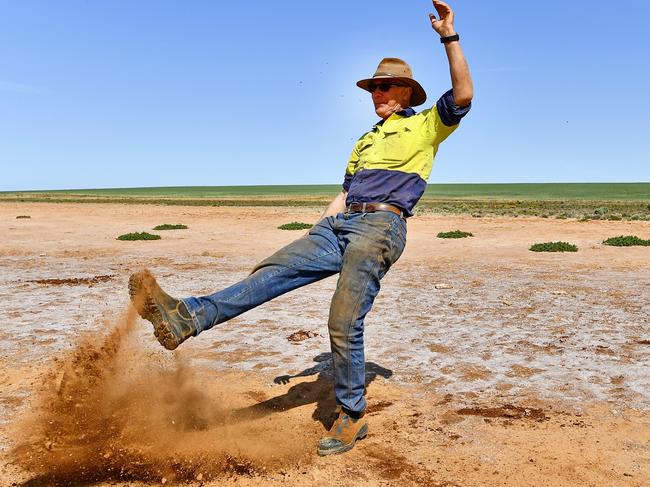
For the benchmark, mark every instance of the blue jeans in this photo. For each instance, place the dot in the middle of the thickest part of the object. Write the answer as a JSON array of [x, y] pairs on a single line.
[[359, 246]]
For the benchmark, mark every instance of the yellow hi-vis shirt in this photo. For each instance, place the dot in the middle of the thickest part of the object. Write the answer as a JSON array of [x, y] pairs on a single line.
[[392, 163]]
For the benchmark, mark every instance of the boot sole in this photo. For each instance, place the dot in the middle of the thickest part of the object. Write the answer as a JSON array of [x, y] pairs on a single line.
[[347, 447], [147, 309]]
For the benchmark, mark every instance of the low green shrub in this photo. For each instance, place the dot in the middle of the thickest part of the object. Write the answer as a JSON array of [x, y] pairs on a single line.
[[295, 226], [554, 247], [22, 216], [171, 226], [455, 234], [626, 241], [138, 236], [601, 211]]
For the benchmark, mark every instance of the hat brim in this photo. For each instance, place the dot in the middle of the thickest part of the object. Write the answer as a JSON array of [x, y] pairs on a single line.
[[418, 97]]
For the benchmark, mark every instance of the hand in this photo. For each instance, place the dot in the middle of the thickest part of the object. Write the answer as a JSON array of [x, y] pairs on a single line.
[[385, 110], [445, 25]]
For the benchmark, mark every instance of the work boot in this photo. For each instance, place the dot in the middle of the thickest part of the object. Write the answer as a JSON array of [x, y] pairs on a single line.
[[342, 435], [172, 323]]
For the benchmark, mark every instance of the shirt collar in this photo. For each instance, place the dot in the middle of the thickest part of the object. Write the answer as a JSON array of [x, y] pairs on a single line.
[[407, 112]]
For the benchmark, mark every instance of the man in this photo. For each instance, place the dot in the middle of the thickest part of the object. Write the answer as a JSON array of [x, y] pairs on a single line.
[[360, 235]]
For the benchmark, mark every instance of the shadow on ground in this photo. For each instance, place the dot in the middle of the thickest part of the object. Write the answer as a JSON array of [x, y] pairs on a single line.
[[321, 392]]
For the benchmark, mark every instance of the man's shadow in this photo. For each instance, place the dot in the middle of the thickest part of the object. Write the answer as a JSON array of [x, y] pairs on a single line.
[[320, 392]]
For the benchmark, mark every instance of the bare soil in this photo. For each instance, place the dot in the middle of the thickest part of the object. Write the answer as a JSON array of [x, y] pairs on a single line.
[[487, 364]]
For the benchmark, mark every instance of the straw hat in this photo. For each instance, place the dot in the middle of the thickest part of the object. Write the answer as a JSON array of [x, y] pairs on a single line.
[[392, 68]]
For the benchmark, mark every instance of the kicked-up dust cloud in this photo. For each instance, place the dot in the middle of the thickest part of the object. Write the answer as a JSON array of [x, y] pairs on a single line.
[[109, 410]]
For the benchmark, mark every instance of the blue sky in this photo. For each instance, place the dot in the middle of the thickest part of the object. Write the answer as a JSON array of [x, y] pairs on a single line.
[[160, 93]]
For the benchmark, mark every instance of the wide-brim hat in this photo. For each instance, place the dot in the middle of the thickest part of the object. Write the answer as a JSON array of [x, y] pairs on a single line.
[[392, 68]]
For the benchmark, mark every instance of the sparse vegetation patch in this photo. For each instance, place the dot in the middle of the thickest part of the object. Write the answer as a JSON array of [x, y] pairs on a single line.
[[554, 247], [626, 241], [295, 226], [455, 234], [139, 236], [171, 226]]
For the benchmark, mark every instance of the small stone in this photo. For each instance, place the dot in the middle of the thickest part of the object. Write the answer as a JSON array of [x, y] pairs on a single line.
[[164, 480], [443, 285], [107, 455], [199, 477], [48, 445]]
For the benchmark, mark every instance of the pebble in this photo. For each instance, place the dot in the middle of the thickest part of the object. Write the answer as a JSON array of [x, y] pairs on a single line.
[[443, 285]]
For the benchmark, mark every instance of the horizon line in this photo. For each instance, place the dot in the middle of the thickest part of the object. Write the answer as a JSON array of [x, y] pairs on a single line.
[[313, 184]]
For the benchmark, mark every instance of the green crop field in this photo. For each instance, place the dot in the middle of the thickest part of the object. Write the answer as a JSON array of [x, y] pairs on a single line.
[[583, 201], [517, 191]]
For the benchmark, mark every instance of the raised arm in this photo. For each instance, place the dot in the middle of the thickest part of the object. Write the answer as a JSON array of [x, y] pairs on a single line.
[[461, 80]]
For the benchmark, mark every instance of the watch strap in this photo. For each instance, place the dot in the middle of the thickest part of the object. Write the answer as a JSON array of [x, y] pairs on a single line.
[[448, 39]]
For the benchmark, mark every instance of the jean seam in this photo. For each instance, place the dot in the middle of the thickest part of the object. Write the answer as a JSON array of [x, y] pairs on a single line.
[[347, 331], [192, 312], [396, 232], [271, 275]]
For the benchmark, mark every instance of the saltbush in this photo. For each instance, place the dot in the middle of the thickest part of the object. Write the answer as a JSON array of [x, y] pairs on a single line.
[[626, 241], [171, 226], [138, 236], [454, 234], [554, 247], [295, 226]]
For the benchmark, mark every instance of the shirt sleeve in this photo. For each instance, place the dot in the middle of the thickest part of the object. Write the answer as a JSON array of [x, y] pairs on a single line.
[[450, 113]]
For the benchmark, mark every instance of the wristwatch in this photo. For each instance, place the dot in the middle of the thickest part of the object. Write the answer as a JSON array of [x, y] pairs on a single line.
[[446, 40]]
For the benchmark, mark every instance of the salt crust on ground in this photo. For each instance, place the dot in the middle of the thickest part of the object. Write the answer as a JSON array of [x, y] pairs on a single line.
[[516, 334]]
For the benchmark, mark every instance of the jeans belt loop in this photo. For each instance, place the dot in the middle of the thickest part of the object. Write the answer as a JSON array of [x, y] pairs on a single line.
[[363, 207]]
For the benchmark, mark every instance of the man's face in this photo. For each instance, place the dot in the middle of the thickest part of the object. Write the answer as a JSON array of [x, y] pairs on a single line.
[[386, 95]]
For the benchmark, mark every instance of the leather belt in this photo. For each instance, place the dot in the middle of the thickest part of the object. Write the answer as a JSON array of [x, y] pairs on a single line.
[[372, 207]]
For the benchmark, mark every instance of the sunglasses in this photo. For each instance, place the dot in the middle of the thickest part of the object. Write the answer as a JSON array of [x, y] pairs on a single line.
[[383, 87]]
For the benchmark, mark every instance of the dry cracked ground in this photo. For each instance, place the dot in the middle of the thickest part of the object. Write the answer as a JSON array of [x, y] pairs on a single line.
[[487, 364]]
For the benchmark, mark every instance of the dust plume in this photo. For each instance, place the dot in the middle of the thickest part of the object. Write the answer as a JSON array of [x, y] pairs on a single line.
[[111, 411]]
